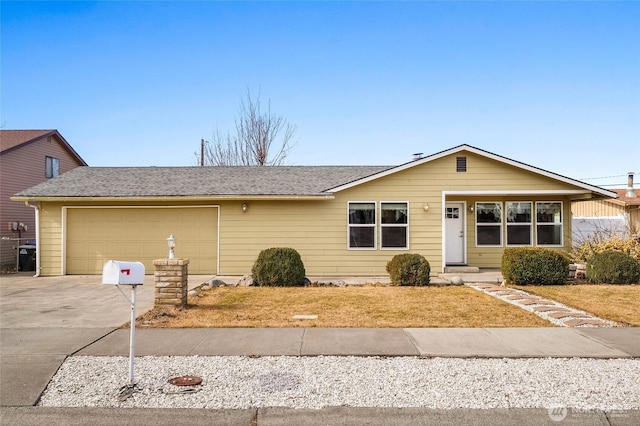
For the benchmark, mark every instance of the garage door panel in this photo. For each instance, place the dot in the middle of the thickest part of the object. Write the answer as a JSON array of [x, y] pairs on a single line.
[[140, 234]]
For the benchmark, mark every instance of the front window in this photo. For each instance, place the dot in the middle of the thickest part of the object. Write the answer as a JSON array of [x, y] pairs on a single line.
[[519, 224], [362, 225], [489, 224], [549, 223], [394, 225], [51, 167]]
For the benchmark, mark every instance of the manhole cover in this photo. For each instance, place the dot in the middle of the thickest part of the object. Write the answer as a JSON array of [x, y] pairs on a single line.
[[186, 381]]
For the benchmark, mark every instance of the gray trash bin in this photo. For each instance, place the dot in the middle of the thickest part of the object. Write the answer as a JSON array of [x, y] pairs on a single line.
[[27, 258]]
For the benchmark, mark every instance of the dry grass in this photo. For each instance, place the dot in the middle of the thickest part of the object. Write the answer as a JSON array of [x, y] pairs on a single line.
[[619, 303], [367, 306]]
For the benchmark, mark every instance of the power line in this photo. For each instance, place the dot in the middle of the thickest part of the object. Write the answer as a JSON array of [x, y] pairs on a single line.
[[603, 177]]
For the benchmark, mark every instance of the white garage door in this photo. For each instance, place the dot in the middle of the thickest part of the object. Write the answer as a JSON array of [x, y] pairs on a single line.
[[95, 235]]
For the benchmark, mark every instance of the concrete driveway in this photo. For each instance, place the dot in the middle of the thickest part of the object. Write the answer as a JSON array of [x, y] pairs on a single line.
[[45, 319], [71, 301]]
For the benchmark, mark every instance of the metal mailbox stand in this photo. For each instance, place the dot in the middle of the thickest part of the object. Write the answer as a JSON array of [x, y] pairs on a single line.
[[131, 274], [132, 335]]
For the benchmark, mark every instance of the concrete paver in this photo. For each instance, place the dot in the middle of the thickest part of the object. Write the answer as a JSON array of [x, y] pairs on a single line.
[[566, 314], [550, 309]]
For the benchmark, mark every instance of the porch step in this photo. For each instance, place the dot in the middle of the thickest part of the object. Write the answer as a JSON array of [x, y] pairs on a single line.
[[461, 270]]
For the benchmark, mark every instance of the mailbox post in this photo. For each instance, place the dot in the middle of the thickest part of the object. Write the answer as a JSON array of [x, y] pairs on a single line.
[[118, 273]]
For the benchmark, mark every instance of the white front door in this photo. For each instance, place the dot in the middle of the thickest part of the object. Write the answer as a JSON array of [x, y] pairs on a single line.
[[454, 233]]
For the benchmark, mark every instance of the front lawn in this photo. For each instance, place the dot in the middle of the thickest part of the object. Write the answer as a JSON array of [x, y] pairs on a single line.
[[353, 306], [619, 303]]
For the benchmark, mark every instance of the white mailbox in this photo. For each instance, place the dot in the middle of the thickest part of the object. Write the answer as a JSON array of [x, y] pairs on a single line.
[[126, 273]]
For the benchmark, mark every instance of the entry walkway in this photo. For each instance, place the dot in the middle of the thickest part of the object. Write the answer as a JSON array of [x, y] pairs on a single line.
[[548, 309]]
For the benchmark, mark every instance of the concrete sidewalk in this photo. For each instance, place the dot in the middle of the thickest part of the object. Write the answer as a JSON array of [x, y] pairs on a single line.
[[31, 356], [622, 342]]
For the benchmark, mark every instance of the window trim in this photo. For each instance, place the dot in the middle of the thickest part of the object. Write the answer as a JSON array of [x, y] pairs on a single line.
[[560, 224], [392, 225], [531, 231], [356, 225], [501, 223]]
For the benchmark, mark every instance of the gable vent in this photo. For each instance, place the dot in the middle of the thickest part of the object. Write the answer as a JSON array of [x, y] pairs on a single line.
[[461, 164]]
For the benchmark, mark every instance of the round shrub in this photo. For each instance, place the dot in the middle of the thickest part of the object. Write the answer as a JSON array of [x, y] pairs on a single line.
[[532, 265], [409, 269], [613, 267], [278, 266]]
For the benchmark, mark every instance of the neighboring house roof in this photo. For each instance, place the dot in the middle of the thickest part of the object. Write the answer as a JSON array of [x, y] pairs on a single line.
[[14, 139], [595, 189], [623, 200], [268, 181], [199, 181]]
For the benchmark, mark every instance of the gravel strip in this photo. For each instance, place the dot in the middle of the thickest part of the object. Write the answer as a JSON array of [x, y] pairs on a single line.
[[543, 315], [325, 381]]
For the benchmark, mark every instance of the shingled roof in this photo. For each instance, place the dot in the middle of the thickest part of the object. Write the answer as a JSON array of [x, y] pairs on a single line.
[[199, 181]]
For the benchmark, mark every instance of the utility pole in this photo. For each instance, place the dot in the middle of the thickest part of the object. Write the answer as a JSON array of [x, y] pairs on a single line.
[[201, 152]]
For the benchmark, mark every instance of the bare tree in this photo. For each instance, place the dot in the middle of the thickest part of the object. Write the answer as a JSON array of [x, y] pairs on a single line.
[[261, 139]]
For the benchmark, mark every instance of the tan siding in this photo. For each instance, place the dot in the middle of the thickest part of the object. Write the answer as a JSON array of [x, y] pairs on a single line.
[[601, 208], [20, 169], [318, 229], [596, 208], [51, 239], [634, 220]]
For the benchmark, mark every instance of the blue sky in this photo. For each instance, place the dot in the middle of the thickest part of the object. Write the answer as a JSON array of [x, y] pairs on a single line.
[[552, 84]]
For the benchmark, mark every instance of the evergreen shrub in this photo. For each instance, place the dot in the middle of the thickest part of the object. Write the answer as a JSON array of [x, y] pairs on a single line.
[[278, 267], [534, 265], [409, 269]]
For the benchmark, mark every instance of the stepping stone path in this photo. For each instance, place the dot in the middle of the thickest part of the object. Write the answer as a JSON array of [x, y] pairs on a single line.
[[549, 310]]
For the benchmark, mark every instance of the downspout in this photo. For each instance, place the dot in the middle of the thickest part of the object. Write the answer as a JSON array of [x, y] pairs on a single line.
[[36, 209]]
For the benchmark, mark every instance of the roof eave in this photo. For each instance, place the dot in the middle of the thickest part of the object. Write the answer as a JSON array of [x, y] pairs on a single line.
[[66, 145], [180, 198]]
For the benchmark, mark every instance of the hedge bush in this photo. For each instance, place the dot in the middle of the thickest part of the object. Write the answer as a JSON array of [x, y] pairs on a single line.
[[409, 269], [613, 267], [533, 265], [278, 266]]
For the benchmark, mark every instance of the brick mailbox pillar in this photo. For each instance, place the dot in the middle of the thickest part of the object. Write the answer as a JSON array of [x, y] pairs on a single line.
[[171, 282]]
